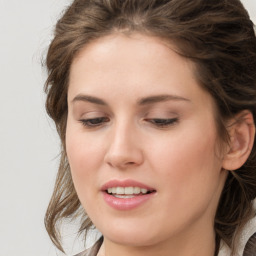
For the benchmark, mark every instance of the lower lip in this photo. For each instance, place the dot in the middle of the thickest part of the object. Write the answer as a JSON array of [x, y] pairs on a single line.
[[126, 203]]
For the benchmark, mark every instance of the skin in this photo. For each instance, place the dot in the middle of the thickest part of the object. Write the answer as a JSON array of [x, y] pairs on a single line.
[[181, 161]]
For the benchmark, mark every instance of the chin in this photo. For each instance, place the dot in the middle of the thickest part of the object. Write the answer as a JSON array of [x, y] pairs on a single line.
[[132, 237], [132, 241]]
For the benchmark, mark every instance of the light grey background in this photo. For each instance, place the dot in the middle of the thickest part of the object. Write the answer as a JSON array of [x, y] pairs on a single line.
[[29, 145]]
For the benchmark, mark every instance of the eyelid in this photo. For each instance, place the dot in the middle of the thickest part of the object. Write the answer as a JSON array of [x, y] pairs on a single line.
[[94, 122], [162, 122], [162, 111], [92, 114], [160, 114]]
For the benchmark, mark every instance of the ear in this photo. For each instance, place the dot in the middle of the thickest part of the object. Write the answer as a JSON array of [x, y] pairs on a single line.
[[241, 132]]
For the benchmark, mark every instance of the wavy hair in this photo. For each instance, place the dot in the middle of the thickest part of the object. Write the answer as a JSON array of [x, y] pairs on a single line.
[[216, 35]]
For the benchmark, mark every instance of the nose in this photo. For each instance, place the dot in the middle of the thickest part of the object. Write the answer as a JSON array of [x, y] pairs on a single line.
[[124, 149]]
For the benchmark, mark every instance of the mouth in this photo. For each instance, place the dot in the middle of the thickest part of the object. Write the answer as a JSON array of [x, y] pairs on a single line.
[[128, 192]]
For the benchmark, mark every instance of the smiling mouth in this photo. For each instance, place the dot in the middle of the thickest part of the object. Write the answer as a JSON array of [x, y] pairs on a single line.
[[128, 192]]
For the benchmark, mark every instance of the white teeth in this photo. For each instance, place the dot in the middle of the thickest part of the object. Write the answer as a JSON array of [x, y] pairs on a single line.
[[143, 191], [119, 190], [127, 191], [136, 190], [123, 196]]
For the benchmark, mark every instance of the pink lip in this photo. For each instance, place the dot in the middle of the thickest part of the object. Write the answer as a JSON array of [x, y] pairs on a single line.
[[125, 183], [126, 203]]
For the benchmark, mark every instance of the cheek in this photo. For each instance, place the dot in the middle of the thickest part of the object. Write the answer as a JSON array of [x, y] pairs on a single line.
[[83, 150], [188, 165], [189, 174], [85, 158]]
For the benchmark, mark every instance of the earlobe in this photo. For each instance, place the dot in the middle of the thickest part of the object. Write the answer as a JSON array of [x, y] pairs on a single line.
[[242, 133]]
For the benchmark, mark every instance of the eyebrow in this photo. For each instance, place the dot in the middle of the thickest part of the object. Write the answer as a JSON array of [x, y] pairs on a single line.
[[160, 98], [91, 99], [143, 101]]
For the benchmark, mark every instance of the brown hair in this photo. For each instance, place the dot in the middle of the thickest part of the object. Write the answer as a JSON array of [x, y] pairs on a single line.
[[250, 247], [217, 35]]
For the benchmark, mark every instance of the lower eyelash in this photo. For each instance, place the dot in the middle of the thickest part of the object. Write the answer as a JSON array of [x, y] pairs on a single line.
[[94, 122], [159, 122]]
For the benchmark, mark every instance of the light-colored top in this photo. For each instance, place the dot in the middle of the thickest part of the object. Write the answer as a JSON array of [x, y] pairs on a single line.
[[248, 231]]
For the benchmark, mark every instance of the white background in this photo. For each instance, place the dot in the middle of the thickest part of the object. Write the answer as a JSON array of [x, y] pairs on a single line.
[[29, 145]]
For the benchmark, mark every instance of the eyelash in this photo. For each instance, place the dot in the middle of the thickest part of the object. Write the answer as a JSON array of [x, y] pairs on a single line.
[[162, 122], [94, 122], [158, 122]]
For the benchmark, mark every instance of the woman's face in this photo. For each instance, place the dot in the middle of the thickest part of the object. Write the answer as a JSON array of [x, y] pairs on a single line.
[[141, 141]]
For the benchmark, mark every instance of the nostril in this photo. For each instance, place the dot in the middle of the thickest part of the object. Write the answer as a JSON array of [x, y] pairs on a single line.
[[130, 163]]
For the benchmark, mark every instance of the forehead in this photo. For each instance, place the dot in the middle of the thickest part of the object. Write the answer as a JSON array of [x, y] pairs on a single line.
[[132, 65], [122, 52]]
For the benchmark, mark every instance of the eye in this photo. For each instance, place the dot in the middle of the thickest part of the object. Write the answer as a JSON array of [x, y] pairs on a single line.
[[94, 122], [162, 122]]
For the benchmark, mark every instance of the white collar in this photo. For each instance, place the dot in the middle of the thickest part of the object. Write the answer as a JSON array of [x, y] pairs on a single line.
[[248, 231]]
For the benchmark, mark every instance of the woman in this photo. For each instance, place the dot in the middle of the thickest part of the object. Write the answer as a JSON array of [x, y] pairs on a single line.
[[155, 103]]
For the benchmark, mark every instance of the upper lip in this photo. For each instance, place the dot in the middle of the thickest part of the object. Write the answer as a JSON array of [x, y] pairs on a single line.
[[125, 183]]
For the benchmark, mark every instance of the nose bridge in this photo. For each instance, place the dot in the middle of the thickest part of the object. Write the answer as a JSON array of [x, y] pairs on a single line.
[[122, 134], [124, 148]]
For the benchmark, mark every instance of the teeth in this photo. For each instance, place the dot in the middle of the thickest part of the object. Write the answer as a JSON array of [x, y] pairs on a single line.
[[143, 191], [127, 190], [136, 190], [123, 196], [119, 190]]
